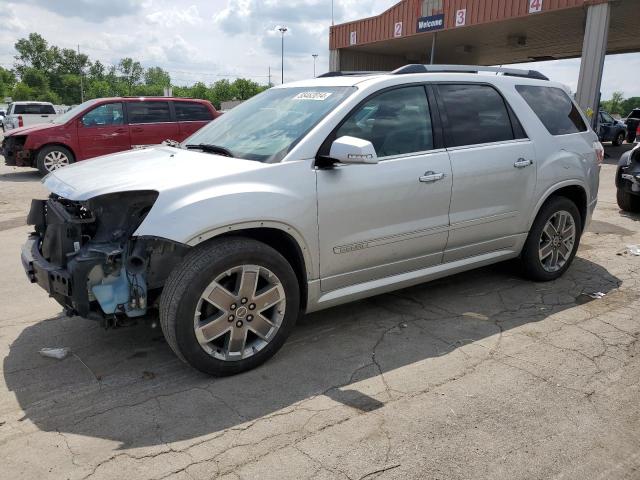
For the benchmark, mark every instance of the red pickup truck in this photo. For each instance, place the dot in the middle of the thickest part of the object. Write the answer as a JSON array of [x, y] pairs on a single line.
[[103, 126]]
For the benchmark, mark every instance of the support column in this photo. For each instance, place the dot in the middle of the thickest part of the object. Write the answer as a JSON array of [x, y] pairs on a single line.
[[594, 48], [433, 48], [334, 60]]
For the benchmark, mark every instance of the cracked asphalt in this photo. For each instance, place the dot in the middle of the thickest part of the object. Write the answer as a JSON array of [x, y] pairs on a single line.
[[478, 376]]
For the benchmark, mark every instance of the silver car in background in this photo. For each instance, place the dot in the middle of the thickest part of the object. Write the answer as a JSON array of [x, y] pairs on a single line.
[[317, 193]]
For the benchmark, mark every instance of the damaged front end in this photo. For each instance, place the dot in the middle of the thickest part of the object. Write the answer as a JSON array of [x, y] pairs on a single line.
[[628, 174], [14, 152], [84, 255]]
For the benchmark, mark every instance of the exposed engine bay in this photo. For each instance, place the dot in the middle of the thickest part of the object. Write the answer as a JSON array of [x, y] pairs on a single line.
[[83, 253]]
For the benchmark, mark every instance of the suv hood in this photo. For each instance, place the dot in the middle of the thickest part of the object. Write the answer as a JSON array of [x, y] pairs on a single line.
[[158, 168]]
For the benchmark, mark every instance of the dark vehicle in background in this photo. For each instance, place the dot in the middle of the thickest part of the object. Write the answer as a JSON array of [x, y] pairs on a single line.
[[3, 114], [628, 181], [610, 129], [104, 126], [633, 124]]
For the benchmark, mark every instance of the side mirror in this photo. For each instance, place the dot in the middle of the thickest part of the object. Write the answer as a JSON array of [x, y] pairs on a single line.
[[353, 150]]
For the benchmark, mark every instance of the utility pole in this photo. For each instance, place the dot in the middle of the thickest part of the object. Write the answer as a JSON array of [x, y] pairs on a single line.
[[81, 82], [269, 76], [315, 56], [282, 30], [332, 13]]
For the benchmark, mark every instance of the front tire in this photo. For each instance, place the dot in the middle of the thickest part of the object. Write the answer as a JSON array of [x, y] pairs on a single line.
[[627, 201], [229, 306], [553, 240], [52, 158]]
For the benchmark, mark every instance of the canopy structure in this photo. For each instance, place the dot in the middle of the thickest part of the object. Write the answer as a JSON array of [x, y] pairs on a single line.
[[491, 32]]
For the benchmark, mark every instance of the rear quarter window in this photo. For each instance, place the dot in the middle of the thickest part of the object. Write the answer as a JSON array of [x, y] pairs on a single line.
[[192, 112], [554, 108]]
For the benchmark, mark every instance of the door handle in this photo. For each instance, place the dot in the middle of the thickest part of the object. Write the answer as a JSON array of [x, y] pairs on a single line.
[[137, 129], [121, 130], [430, 176], [521, 163]]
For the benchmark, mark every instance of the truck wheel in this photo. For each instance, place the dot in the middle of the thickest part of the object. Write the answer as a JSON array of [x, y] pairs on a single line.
[[618, 140], [553, 240], [53, 157], [628, 201], [229, 306]]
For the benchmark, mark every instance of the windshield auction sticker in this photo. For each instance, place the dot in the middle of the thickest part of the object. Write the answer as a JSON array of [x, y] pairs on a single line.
[[312, 96]]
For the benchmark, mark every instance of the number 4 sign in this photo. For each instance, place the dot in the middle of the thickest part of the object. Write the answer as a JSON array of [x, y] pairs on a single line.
[[461, 17], [535, 6]]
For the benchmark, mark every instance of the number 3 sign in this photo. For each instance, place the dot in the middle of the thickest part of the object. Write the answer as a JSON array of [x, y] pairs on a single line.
[[535, 6], [461, 17]]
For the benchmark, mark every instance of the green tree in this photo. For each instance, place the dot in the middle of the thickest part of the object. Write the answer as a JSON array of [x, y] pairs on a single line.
[[131, 71], [628, 105], [221, 91], [34, 52], [157, 76], [96, 71], [7, 82]]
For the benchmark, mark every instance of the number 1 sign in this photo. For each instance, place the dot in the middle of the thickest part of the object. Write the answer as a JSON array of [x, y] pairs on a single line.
[[535, 6]]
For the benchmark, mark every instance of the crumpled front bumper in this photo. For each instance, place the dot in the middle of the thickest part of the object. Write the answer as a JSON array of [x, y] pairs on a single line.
[[53, 279], [14, 153]]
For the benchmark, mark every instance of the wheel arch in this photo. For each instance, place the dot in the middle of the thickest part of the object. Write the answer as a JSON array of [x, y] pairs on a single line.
[[574, 191], [55, 144], [283, 238]]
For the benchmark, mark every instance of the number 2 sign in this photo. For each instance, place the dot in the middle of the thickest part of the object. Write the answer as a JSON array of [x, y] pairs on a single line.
[[535, 6], [397, 29], [461, 17]]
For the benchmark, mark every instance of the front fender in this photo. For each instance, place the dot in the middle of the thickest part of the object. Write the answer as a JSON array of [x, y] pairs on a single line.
[[285, 201]]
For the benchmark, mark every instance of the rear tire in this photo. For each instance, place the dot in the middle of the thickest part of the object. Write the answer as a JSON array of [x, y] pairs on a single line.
[[627, 201], [52, 158], [618, 140], [215, 323], [553, 240]]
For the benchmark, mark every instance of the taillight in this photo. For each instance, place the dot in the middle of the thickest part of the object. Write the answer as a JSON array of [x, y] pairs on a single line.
[[599, 150], [20, 122], [638, 131]]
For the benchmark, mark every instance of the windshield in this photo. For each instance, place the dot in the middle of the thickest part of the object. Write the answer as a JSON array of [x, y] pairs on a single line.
[[69, 114], [266, 127]]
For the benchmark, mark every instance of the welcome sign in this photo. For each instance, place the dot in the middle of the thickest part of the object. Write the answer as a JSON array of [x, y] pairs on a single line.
[[433, 22]]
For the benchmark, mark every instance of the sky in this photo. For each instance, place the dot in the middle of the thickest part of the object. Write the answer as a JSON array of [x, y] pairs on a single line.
[[206, 40]]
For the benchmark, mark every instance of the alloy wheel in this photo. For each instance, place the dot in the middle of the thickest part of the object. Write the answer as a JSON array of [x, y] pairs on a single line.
[[240, 312], [557, 241], [55, 160]]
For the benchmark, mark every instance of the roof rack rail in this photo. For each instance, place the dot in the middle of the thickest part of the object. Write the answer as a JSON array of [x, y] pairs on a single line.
[[511, 72], [348, 73]]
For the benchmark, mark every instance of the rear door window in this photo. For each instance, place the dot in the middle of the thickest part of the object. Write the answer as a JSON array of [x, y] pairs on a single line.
[[192, 112], [148, 112], [475, 114], [34, 108], [554, 108]]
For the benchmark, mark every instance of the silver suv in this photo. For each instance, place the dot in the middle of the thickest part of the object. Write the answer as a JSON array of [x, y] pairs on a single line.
[[317, 193]]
